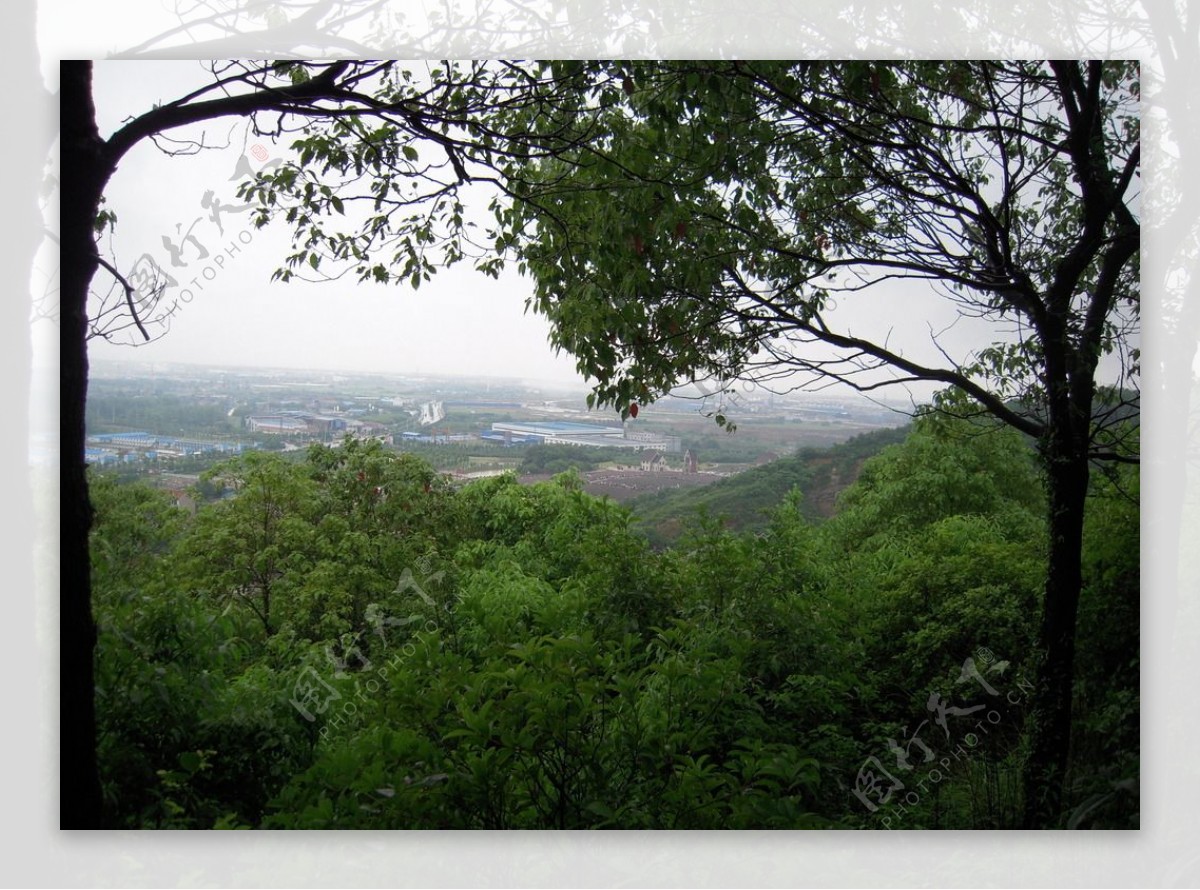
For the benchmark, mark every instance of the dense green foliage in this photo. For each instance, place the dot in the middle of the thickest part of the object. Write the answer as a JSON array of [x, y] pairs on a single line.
[[681, 220], [349, 642], [554, 459], [166, 414]]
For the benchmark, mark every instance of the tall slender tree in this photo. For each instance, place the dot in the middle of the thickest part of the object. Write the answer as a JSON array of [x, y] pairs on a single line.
[[721, 210], [371, 114]]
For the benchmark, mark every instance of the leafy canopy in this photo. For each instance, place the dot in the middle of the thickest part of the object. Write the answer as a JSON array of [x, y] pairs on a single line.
[[725, 208]]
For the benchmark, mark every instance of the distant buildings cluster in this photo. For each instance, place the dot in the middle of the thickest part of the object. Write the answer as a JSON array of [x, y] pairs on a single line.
[[582, 434], [656, 463], [434, 438], [106, 449], [304, 423]]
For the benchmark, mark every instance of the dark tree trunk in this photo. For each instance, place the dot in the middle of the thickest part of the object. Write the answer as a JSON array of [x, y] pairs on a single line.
[[1050, 715], [84, 174], [87, 163], [1065, 460]]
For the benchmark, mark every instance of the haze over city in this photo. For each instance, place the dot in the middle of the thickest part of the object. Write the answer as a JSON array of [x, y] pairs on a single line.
[[180, 211]]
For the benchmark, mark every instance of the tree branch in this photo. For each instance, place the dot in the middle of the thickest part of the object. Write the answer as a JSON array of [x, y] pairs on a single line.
[[129, 292]]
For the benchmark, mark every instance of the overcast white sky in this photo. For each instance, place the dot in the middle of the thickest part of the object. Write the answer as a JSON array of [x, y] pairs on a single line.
[[461, 323]]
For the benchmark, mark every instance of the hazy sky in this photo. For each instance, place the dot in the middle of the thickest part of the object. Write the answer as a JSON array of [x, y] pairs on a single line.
[[461, 322]]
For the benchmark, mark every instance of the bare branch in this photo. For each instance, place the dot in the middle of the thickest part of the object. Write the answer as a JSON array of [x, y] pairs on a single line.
[[129, 292]]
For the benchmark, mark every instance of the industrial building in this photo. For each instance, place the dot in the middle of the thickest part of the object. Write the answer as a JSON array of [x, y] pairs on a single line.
[[100, 457], [561, 432], [325, 427], [434, 439], [277, 424], [105, 448], [509, 438]]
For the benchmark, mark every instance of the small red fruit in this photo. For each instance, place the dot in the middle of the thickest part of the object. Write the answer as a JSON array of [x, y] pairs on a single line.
[[633, 410]]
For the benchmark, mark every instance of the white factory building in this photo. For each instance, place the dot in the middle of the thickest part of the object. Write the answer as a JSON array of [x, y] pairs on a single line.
[[585, 434]]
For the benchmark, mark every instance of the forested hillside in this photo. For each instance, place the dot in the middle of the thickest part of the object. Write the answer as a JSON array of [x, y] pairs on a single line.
[[351, 642], [744, 502]]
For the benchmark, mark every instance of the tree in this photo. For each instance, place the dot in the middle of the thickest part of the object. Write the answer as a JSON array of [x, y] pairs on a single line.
[[375, 114], [242, 547], [717, 209], [686, 220]]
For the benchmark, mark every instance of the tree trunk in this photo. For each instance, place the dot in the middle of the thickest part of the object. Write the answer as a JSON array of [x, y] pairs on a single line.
[[83, 179], [1050, 714]]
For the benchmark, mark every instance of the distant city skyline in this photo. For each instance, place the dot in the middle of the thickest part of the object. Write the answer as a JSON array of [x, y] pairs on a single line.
[[735, 400]]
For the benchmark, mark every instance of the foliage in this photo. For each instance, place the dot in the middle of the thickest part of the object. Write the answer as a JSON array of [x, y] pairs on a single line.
[[681, 221], [720, 207], [135, 527], [942, 470], [159, 413], [560, 458], [509, 656], [190, 731]]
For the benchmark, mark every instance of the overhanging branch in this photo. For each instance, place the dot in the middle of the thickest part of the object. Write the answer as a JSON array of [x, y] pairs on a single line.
[[129, 291], [816, 327]]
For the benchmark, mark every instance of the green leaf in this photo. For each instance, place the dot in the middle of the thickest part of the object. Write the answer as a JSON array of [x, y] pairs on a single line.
[[105, 218]]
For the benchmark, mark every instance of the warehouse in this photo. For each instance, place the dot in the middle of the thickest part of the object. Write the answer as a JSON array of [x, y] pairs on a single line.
[[276, 423], [561, 432]]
